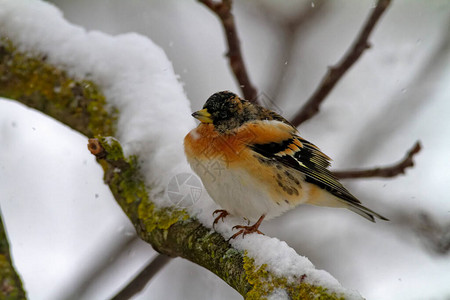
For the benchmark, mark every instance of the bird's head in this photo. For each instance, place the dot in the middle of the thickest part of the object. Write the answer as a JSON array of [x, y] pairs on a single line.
[[225, 110]]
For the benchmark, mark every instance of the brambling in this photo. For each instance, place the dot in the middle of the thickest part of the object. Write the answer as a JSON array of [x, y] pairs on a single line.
[[254, 164]]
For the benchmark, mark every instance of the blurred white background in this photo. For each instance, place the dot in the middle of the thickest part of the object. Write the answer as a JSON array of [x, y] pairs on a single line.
[[71, 241]]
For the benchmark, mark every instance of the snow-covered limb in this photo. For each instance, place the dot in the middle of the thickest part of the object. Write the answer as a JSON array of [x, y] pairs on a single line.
[[46, 62], [10, 283], [174, 233]]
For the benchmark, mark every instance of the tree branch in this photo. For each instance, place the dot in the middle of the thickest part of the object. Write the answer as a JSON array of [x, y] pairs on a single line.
[[335, 73], [223, 11], [292, 32], [434, 234], [386, 172], [76, 103], [101, 262], [10, 284], [173, 233], [141, 280], [170, 231]]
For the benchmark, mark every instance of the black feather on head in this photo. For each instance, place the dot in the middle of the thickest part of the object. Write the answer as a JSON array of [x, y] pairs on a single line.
[[229, 112], [226, 110]]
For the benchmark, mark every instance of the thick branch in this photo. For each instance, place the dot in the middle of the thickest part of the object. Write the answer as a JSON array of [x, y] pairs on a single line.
[[10, 283], [335, 73], [76, 103], [185, 238], [178, 235], [170, 231], [390, 171], [223, 11]]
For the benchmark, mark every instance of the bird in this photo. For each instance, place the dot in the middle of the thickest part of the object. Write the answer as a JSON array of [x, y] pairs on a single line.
[[254, 164]]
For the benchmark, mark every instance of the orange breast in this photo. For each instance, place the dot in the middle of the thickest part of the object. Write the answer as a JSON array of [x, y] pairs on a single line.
[[206, 146], [204, 143]]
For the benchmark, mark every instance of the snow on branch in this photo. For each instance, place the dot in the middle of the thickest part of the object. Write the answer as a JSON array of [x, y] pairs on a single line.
[[125, 87], [173, 233]]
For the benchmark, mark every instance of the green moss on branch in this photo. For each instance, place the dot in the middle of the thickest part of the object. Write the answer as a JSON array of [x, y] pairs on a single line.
[[173, 233], [10, 283], [168, 230], [29, 79], [264, 284]]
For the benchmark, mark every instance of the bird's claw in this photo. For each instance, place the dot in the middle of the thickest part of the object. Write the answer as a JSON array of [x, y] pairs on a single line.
[[245, 230], [222, 214]]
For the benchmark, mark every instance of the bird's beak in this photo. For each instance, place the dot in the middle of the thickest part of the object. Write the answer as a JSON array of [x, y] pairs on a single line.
[[203, 116]]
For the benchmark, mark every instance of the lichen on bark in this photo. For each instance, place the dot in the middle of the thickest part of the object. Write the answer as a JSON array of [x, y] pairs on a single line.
[[174, 233], [30, 79], [10, 283], [264, 284]]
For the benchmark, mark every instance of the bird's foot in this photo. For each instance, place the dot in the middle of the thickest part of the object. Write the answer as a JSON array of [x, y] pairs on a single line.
[[247, 229], [222, 214]]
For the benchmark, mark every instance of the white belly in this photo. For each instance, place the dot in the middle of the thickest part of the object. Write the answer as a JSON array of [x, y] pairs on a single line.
[[237, 192]]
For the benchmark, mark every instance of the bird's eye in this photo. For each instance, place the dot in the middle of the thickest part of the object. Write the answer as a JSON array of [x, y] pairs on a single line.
[[223, 114]]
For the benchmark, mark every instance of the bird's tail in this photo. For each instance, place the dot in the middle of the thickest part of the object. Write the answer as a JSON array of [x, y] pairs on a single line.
[[364, 212], [322, 197]]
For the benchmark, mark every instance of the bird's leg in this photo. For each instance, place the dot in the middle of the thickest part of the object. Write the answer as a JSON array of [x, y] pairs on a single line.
[[248, 229], [222, 214]]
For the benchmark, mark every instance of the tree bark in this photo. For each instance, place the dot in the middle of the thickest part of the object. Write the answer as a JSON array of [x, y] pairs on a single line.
[[29, 79], [10, 283]]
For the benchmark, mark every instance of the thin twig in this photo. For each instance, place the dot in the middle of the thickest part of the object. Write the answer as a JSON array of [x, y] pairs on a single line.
[[434, 234], [141, 280], [223, 11], [335, 73], [88, 277], [391, 171], [292, 28]]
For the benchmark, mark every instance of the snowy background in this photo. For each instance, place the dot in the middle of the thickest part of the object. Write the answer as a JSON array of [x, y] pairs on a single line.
[[64, 224]]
